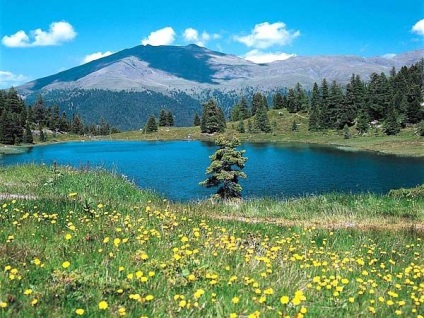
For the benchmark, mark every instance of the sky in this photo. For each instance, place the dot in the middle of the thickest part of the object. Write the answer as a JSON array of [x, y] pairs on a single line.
[[41, 38]]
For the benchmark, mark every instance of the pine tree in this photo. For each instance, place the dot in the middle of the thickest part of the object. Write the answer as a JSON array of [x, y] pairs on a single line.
[[324, 115], [243, 109], [163, 118], [28, 138], [277, 100], [43, 137], [294, 125], [314, 110], [363, 121], [151, 125], [213, 119], [257, 102], [196, 120], [225, 169], [261, 121], [391, 124], [169, 119]]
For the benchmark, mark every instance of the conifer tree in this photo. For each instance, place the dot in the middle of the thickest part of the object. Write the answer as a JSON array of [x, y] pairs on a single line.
[[196, 120], [391, 124], [314, 110], [169, 119], [163, 118], [261, 121], [28, 138], [225, 169], [151, 125], [213, 119], [363, 121], [277, 100]]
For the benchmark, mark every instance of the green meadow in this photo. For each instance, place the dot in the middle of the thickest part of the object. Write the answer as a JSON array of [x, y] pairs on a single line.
[[89, 243]]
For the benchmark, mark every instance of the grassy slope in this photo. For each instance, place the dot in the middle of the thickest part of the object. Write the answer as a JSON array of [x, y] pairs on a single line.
[[407, 143], [147, 257]]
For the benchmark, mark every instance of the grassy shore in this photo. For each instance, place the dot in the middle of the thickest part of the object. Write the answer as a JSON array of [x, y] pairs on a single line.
[[407, 143], [91, 244]]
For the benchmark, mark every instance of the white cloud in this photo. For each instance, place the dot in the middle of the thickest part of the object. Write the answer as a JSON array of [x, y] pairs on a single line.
[[58, 33], [163, 36], [8, 79], [265, 35], [418, 27], [95, 56], [192, 35], [257, 56]]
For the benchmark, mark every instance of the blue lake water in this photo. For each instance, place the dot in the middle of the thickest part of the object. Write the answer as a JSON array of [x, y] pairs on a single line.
[[174, 169]]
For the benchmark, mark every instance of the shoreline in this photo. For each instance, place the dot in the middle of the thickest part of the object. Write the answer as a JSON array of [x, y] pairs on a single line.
[[15, 150]]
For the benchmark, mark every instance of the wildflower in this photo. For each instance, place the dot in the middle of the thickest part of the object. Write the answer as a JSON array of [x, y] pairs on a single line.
[[66, 264], [284, 300], [27, 291], [34, 302], [72, 194], [235, 300], [149, 297], [79, 311], [68, 236], [3, 304], [103, 305], [182, 303]]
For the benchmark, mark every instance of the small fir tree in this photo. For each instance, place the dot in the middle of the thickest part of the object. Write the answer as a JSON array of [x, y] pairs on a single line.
[[294, 126], [163, 118], [196, 120], [226, 169], [169, 119], [151, 125]]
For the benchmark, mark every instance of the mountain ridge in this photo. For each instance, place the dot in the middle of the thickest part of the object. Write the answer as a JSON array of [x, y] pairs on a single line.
[[139, 81]]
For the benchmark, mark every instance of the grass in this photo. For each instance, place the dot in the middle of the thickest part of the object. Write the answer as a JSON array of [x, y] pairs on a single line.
[[407, 143], [90, 243]]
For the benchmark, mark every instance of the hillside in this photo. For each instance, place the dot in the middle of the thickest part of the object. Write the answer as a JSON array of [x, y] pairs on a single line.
[[128, 86]]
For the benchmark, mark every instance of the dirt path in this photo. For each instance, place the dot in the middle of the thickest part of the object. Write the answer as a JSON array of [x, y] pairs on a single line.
[[417, 227]]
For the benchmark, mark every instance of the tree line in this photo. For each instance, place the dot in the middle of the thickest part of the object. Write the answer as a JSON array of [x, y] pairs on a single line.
[[19, 123], [392, 102]]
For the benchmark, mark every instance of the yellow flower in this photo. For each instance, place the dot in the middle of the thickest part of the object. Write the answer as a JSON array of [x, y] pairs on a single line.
[[233, 315], [284, 300], [72, 194], [100, 205], [27, 291], [103, 305], [3, 304], [34, 302], [66, 264], [303, 310], [68, 236], [182, 303], [235, 300], [79, 311], [149, 297]]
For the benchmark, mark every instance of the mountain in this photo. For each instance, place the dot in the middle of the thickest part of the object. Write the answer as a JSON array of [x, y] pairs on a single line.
[[128, 86]]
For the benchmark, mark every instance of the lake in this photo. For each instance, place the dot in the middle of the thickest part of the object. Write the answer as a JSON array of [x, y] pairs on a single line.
[[175, 168]]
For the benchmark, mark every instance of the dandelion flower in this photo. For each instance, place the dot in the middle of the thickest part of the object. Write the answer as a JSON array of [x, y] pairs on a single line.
[[79, 311], [66, 264], [103, 305], [235, 300], [284, 300]]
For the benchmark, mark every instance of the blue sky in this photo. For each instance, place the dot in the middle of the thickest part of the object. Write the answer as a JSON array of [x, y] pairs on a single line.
[[40, 38]]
